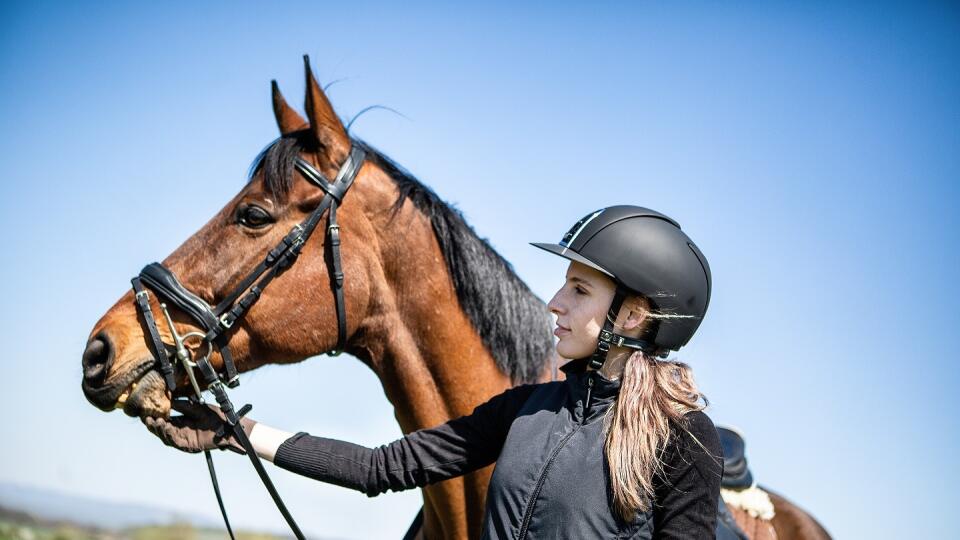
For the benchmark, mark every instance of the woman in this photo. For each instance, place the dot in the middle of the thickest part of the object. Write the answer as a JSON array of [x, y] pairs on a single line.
[[621, 448]]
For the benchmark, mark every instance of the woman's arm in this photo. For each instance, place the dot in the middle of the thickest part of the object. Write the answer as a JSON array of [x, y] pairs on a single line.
[[423, 457], [688, 490]]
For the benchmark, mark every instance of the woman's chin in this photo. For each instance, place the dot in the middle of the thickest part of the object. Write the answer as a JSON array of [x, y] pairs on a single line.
[[571, 351]]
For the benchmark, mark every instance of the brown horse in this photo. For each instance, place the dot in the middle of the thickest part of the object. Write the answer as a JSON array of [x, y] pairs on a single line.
[[432, 309]]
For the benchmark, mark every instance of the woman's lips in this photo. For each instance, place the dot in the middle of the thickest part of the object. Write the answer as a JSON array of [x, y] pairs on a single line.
[[561, 331]]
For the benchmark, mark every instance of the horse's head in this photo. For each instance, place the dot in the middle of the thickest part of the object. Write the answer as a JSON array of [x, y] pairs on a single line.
[[295, 317]]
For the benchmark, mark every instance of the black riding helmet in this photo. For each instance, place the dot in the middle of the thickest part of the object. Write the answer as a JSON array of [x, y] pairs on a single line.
[[645, 252]]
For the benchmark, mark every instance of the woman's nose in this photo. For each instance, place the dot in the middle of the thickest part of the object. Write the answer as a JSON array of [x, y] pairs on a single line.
[[554, 304]]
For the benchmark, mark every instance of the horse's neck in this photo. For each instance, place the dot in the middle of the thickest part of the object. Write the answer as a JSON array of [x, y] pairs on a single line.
[[430, 359]]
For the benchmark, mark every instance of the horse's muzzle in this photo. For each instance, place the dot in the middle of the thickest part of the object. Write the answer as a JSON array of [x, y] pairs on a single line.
[[100, 388], [97, 359]]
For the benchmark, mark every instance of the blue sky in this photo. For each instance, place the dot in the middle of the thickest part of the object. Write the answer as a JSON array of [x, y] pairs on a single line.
[[812, 151]]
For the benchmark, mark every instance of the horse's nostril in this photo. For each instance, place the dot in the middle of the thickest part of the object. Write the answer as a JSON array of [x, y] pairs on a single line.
[[97, 358]]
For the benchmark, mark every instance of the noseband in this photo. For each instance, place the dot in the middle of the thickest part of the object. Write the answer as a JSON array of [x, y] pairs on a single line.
[[217, 322]]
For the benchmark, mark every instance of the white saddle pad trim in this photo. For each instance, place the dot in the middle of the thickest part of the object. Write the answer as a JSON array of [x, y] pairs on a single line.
[[753, 500]]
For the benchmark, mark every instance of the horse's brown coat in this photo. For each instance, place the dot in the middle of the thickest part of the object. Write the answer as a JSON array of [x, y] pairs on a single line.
[[403, 314], [404, 319]]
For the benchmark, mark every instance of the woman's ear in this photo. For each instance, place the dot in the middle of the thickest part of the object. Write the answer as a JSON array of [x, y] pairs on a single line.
[[636, 313]]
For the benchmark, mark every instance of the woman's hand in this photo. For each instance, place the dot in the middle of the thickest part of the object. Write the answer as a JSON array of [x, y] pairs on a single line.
[[196, 429]]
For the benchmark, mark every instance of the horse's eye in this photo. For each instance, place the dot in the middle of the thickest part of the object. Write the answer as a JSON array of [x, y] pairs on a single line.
[[254, 217]]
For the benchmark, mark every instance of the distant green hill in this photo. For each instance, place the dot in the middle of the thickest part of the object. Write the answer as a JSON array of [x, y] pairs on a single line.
[[28, 513], [39, 514], [29, 528], [54, 505]]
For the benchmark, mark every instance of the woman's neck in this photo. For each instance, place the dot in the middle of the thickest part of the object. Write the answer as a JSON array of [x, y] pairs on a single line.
[[613, 367]]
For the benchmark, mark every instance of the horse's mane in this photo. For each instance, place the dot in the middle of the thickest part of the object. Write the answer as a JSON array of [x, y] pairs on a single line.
[[512, 322]]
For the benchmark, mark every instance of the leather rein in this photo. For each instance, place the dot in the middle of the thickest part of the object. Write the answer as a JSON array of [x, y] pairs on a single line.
[[217, 322]]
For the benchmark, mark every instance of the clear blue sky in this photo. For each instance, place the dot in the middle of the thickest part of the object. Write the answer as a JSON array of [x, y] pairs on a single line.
[[811, 150]]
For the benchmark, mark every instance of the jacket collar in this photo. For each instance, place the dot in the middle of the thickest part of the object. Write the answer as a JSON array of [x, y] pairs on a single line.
[[604, 390]]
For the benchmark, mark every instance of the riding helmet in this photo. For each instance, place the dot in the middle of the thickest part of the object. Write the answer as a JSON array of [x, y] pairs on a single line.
[[644, 252]]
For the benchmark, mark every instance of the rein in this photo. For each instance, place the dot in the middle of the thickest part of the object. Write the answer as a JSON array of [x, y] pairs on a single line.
[[218, 321]]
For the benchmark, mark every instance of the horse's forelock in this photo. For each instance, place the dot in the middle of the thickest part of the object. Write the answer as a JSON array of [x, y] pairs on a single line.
[[276, 162]]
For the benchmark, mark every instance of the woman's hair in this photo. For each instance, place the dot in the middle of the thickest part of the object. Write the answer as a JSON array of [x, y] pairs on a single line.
[[654, 394]]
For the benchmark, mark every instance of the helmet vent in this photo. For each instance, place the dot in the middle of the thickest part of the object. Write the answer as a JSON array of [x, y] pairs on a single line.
[[577, 227]]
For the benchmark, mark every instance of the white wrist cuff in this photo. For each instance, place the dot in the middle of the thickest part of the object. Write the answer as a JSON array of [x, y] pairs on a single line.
[[266, 440]]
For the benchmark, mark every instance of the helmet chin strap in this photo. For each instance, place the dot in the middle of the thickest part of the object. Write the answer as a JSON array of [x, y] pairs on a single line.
[[608, 338]]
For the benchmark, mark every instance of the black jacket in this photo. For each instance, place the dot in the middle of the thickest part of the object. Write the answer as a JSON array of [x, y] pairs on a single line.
[[551, 479]]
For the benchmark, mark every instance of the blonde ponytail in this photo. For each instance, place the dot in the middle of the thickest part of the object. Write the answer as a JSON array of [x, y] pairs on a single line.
[[653, 393]]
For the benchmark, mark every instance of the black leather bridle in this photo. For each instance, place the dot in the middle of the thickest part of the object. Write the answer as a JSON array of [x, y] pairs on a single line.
[[217, 322]]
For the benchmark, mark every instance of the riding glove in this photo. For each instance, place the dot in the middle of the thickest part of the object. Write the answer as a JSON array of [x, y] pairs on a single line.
[[199, 427]]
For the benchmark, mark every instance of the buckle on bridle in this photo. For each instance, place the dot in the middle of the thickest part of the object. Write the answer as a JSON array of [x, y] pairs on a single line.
[[298, 239], [334, 232], [227, 323], [142, 300]]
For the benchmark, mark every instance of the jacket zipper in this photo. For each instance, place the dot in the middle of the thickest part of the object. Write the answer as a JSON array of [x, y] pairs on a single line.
[[528, 513], [586, 406]]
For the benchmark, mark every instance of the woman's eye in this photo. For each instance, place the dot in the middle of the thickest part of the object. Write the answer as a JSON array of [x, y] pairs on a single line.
[[581, 290], [254, 217]]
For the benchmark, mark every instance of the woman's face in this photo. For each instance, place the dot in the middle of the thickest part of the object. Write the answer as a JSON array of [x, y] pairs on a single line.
[[581, 307]]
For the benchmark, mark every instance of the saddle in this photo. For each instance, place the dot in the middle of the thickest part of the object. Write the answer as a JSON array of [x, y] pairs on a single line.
[[745, 510], [736, 474]]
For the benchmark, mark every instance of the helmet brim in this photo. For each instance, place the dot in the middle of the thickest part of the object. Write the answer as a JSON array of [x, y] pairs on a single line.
[[572, 255]]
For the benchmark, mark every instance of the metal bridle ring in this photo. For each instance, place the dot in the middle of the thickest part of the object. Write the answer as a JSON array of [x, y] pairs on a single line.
[[203, 340]]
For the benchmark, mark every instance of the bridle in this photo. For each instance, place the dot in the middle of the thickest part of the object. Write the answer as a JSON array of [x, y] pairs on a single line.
[[217, 322]]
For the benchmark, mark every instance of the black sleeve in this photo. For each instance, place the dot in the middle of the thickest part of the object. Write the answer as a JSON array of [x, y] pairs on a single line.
[[688, 490], [423, 457]]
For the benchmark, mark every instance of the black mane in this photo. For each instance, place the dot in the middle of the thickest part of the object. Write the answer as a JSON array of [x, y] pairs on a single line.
[[513, 323]]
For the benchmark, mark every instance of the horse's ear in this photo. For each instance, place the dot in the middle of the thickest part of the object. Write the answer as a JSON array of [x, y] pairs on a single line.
[[288, 120], [323, 120]]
